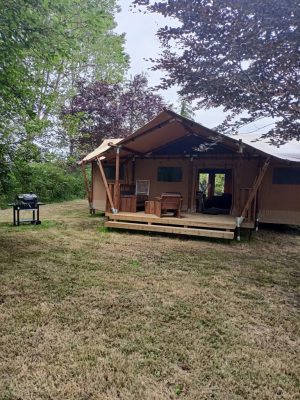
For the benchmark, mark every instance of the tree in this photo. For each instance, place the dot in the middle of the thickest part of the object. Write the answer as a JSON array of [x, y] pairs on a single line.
[[102, 110], [241, 55], [45, 47], [186, 108], [97, 53]]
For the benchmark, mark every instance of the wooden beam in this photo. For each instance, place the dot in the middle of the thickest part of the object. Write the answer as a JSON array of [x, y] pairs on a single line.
[[189, 220], [133, 170], [190, 184], [106, 184], [86, 184], [255, 187], [170, 229], [117, 180]]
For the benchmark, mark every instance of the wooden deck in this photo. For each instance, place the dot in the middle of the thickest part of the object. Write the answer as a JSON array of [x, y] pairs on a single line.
[[216, 226]]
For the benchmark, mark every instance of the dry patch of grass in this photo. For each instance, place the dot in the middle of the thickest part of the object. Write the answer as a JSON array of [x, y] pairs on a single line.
[[87, 313]]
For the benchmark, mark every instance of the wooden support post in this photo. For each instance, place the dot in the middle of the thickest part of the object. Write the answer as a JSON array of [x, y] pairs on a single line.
[[195, 182], [106, 185], [255, 187], [237, 184], [133, 170], [190, 185], [87, 187], [117, 180]]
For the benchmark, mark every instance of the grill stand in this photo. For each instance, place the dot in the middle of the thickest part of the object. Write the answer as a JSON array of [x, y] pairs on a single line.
[[35, 214]]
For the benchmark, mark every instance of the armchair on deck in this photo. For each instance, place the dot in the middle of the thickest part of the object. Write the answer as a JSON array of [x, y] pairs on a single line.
[[168, 202]]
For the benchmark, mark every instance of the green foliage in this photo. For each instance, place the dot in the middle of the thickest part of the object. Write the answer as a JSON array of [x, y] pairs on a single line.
[[50, 181], [219, 184], [46, 47], [186, 108]]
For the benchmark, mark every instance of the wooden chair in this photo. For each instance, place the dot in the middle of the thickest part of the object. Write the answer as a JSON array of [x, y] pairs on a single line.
[[168, 202], [142, 189]]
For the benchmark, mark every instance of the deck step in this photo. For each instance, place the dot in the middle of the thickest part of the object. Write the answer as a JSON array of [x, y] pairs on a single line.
[[205, 223], [171, 229]]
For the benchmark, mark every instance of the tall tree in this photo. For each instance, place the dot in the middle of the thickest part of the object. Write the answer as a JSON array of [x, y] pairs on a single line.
[[45, 47], [101, 110], [241, 55], [98, 53]]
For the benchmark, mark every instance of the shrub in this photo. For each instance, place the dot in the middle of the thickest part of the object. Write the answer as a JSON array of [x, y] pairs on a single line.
[[51, 181]]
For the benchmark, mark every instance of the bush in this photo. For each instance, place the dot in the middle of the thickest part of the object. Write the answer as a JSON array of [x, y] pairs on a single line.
[[51, 181]]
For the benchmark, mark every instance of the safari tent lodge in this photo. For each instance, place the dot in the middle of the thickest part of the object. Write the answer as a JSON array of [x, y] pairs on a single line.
[[174, 175]]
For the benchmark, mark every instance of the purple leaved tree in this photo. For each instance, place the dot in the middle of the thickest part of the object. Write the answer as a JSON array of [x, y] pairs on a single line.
[[241, 55], [102, 110]]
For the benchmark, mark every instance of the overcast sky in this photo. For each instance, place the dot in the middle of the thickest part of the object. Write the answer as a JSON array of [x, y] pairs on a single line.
[[142, 44]]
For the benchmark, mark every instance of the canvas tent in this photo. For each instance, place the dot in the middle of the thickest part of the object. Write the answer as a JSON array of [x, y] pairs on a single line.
[[172, 153]]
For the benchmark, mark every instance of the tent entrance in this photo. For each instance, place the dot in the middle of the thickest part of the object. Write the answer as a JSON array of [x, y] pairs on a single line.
[[214, 195]]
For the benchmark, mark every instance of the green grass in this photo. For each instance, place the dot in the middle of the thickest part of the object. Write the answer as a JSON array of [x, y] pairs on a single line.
[[90, 313]]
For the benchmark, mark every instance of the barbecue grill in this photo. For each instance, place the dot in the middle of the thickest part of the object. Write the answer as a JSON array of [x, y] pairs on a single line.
[[29, 202]]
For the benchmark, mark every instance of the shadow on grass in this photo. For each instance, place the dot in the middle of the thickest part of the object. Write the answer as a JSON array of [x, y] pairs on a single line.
[[286, 229], [98, 214]]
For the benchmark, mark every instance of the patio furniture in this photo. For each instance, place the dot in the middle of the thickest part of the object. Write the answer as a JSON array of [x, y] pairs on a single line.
[[150, 207], [168, 202], [142, 190], [128, 203]]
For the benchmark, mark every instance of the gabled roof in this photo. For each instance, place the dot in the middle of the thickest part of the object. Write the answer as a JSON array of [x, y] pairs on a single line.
[[167, 128]]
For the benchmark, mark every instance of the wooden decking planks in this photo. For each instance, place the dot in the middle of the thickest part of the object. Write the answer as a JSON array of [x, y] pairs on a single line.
[[187, 220], [171, 229]]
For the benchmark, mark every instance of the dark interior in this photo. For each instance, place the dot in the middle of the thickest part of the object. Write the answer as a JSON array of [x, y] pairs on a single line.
[[215, 191]]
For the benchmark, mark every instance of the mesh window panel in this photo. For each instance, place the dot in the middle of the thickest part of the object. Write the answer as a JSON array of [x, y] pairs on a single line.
[[169, 174], [286, 176], [110, 172]]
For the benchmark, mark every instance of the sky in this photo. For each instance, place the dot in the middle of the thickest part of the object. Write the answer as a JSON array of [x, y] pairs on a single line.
[[141, 44]]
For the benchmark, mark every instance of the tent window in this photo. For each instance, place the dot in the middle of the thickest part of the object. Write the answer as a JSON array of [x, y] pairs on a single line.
[[169, 174], [286, 176], [110, 172]]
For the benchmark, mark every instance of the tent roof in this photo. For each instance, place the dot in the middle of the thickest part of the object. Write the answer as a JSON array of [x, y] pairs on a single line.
[[289, 151], [169, 127], [104, 146]]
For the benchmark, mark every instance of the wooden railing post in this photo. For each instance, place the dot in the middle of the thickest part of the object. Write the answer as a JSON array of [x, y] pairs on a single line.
[[106, 185], [117, 180]]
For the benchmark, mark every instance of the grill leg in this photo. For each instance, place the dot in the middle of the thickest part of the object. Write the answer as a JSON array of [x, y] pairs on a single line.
[[33, 217], [14, 212], [18, 216], [38, 215]]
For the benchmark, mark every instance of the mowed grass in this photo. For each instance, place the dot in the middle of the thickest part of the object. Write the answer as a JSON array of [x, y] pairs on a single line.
[[87, 313]]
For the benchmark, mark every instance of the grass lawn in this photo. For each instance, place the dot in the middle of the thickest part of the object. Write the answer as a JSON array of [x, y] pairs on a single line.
[[89, 314]]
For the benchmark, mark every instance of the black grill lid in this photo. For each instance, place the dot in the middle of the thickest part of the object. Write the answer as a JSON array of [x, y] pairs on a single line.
[[27, 197]]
